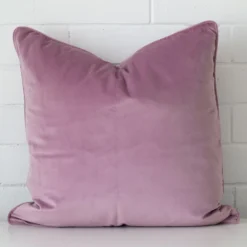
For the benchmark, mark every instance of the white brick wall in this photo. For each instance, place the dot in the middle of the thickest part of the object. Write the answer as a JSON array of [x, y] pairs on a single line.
[[114, 29]]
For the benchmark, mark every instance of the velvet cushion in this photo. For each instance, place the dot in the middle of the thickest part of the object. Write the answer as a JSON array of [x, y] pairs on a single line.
[[135, 144]]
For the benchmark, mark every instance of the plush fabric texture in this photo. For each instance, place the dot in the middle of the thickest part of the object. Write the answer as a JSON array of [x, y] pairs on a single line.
[[135, 144]]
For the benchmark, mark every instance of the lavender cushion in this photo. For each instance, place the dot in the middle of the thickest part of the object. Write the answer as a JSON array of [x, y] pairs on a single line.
[[135, 144]]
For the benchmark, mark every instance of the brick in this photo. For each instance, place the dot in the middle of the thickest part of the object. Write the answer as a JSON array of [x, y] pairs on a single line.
[[10, 197], [235, 163], [239, 40], [117, 42], [7, 51], [225, 124], [16, 11], [224, 53], [240, 123], [242, 201], [12, 127], [11, 91], [60, 33], [177, 11], [14, 163], [232, 83], [93, 11], [228, 197]]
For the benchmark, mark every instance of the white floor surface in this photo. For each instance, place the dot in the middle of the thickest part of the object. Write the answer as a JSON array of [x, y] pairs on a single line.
[[218, 236]]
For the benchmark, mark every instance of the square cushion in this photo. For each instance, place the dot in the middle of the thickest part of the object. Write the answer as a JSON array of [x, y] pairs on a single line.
[[135, 144]]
